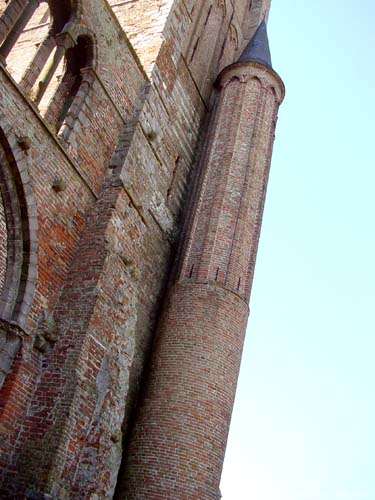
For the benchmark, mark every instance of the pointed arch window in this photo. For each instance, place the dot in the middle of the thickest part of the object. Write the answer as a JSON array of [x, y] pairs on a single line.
[[18, 249], [71, 60], [49, 62], [28, 32]]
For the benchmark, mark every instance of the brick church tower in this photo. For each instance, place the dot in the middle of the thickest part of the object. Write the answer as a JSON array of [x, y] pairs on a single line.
[[135, 146]]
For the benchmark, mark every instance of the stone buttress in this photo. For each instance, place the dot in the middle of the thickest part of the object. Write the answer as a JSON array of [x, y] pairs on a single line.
[[178, 442]]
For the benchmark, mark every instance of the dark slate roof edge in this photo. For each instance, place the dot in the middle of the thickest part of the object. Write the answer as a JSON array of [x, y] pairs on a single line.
[[258, 50]]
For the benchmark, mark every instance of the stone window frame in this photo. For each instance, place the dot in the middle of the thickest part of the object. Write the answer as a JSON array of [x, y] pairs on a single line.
[[22, 226], [64, 35], [87, 75], [13, 22], [67, 129], [44, 51]]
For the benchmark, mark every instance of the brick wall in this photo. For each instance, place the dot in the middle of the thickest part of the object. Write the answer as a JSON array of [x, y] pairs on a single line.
[[178, 442], [80, 164], [182, 427], [103, 200], [143, 21], [79, 167]]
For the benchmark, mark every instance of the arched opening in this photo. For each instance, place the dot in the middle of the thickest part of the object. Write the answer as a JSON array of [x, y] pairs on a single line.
[[29, 40], [66, 81], [28, 36], [18, 244], [77, 58], [43, 55], [61, 13]]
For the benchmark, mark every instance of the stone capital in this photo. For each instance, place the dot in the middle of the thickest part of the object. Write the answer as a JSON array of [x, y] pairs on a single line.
[[65, 40]]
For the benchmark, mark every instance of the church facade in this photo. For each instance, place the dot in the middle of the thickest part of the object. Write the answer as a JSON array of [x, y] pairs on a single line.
[[135, 144]]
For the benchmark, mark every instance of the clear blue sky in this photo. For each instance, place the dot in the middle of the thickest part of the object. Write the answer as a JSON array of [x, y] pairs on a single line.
[[304, 421]]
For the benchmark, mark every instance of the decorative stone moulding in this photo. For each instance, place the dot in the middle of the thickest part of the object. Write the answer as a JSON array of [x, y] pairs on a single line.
[[245, 71], [22, 226]]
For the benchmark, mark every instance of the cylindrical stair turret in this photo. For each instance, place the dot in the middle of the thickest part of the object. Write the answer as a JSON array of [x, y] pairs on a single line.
[[177, 448]]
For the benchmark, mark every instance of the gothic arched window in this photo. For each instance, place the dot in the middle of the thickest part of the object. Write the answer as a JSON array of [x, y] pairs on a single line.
[[43, 55], [67, 80], [22, 44], [18, 238]]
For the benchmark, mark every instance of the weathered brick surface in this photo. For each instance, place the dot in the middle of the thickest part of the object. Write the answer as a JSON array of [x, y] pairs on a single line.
[[222, 239], [178, 443], [81, 166], [96, 215], [180, 434], [144, 22]]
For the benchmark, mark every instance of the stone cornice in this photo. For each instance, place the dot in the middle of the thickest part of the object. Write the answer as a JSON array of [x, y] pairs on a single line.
[[244, 71]]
